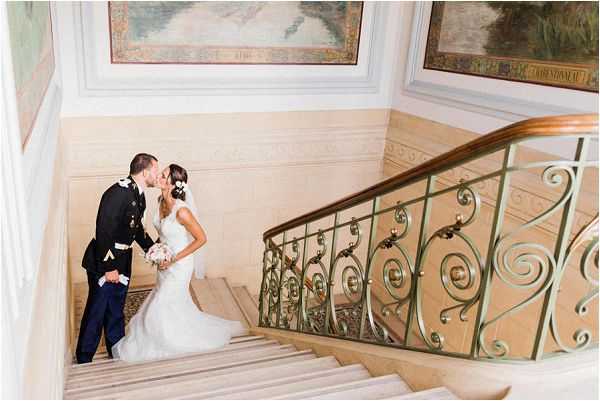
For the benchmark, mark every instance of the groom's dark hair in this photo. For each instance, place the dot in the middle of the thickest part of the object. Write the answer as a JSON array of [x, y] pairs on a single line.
[[141, 162]]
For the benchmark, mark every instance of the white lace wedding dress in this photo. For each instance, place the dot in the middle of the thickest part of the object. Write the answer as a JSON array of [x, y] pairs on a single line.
[[168, 322]]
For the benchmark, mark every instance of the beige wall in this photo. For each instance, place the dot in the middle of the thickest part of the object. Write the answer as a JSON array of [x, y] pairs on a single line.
[[248, 171], [48, 352], [252, 171], [411, 141]]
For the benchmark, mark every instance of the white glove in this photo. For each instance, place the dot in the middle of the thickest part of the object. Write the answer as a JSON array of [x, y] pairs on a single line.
[[123, 279]]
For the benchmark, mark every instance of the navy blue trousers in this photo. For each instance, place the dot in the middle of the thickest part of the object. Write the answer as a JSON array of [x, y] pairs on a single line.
[[103, 310]]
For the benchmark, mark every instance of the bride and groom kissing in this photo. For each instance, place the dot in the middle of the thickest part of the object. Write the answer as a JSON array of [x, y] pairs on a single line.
[[168, 322]]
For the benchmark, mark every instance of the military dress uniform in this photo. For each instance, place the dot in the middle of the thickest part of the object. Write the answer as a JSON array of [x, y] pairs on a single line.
[[119, 223]]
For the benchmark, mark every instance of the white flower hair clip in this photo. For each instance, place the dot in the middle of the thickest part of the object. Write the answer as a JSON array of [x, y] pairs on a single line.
[[181, 185]]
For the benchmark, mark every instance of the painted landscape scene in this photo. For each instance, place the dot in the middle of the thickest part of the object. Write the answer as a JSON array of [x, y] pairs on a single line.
[[30, 32], [235, 32], [552, 43]]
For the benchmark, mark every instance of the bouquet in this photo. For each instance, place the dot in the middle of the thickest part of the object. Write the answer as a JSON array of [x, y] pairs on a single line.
[[157, 254]]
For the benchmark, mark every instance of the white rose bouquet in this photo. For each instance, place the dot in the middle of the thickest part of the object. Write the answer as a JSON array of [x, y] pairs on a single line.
[[157, 254]]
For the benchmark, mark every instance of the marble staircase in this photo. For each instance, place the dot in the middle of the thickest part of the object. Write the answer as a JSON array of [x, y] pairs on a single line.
[[250, 367]]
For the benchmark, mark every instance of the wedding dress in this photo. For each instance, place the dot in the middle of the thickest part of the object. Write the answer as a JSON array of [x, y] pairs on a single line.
[[168, 322]]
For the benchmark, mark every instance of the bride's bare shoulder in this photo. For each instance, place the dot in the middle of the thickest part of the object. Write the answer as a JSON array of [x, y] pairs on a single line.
[[184, 214]]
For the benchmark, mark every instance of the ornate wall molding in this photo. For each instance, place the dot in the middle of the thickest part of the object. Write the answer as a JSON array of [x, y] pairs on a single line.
[[97, 77], [222, 148]]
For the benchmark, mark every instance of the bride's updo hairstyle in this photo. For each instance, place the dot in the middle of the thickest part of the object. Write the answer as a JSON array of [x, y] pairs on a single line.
[[177, 174]]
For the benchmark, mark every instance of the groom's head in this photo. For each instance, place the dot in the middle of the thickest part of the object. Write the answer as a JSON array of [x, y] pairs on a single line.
[[144, 168]]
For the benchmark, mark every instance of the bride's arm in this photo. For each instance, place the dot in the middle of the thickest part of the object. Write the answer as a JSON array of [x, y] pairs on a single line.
[[187, 219]]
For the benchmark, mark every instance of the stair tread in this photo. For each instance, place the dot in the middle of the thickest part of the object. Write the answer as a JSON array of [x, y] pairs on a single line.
[[438, 393], [116, 364], [201, 387], [152, 389], [350, 389], [370, 392], [102, 357], [286, 385], [216, 298], [144, 379], [247, 303], [176, 364], [249, 367]]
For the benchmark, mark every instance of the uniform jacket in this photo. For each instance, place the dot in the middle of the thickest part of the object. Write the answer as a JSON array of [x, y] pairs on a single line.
[[118, 224]]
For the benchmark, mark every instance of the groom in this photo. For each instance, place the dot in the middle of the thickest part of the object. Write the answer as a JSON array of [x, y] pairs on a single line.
[[119, 223]]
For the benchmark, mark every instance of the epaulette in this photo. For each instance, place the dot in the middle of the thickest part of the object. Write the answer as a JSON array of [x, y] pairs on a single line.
[[124, 182]]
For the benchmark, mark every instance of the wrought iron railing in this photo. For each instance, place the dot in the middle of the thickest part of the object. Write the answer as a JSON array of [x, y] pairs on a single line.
[[448, 265]]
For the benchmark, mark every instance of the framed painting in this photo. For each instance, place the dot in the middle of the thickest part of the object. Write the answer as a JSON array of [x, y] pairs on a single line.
[[30, 31], [539, 42], [254, 32]]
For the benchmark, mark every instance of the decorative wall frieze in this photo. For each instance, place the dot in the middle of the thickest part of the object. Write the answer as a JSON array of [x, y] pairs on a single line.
[[223, 149]]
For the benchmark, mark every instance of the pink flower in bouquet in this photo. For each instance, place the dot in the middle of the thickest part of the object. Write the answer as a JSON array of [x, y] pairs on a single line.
[[158, 253]]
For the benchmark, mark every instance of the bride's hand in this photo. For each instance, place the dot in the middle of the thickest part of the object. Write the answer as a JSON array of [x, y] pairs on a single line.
[[166, 264]]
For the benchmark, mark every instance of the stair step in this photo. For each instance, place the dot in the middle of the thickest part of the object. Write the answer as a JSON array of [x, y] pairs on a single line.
[[96, 362], [238, 305], [196, 384], [367, 389], [249, 367], [438, 393], [224, 372], [288, 384], [102, 357], [216, 298], [82, 390], [247, 303], [118, 365], [98, 355], [174, 365]]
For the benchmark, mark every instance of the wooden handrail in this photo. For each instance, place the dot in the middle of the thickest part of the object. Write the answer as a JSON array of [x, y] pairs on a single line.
[[529, 129]]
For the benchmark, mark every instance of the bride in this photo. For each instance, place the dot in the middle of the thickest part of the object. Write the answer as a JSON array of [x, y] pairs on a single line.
[[168, 322]]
